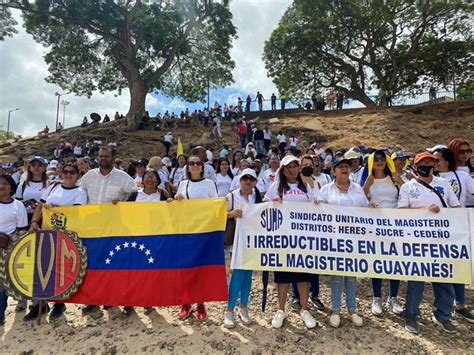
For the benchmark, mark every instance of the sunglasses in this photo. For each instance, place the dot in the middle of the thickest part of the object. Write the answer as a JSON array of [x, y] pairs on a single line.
[[465, 151], [69, 172], [247, 178], [194, 163], [379, 159]]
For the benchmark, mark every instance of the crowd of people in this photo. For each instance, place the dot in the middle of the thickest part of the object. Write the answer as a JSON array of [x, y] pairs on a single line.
[[261, 171]]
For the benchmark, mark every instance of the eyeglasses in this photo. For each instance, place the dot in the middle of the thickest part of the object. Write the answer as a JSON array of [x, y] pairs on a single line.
[[194, 163], [69, 172], [247, 178], [379, 159], [465, 151]]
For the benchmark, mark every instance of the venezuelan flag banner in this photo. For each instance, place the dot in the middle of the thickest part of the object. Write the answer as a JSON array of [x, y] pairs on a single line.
[[149, 254]]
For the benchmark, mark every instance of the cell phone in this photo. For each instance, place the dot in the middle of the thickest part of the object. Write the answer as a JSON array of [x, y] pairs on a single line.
[[29, 203]]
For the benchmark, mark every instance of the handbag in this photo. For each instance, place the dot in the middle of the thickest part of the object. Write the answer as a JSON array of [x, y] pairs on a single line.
[[229, 233]]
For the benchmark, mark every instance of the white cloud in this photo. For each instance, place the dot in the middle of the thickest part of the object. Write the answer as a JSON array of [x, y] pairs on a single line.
[[23, 70]]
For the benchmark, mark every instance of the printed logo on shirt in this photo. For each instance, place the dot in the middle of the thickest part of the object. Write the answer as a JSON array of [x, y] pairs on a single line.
[[439, 189], [415, 192], [455, 185]]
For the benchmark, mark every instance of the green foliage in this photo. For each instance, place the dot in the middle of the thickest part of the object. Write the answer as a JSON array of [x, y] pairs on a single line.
[[3, 135], [173, 47], [7, 24], [466, 90], [393, 46]]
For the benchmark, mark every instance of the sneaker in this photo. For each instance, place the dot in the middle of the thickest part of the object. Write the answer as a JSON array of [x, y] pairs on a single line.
[[57, 312], [229, 320], [148, 310], [412, 325], [466, 314], [244, 316], [201, 312], [295, 305], [446, 325], [357, 320], [278, 319], [89, 309], [308, 319], [377, 306], [20, 306], [394, 305], [185, 312], [335, 320], [317, 303], [127, 311], [33, 313]]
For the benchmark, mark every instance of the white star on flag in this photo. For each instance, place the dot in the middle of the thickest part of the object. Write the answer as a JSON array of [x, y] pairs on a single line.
[[117, 247], [107, 261], [150, 260], [125, 245], [141, 247], [148, 252], [111, 253], [134, 244]]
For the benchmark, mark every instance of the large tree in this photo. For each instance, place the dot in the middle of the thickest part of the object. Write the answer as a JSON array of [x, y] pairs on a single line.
[[395, 46], [174, 47]]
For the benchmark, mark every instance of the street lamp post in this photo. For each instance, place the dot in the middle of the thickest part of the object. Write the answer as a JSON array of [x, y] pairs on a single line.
[[57, 108], [8, 123], [64, 103]]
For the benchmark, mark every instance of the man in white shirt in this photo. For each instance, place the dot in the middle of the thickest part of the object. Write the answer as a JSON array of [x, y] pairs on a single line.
[[168, 140], [357, 170], [432, 193]]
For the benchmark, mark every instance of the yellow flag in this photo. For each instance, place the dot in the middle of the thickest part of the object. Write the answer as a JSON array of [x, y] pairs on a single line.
[[388, 160], [180, 149]]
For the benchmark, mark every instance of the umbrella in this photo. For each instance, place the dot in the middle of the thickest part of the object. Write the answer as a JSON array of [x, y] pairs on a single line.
[[95, 117], [265, 286]]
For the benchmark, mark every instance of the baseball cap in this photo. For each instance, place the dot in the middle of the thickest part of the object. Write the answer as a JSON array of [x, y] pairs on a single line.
[[141, 162], [8, 165], [400, 154], [437, 146], [53, 164], [39, 159], [341, 161], [289, 159], [420, 156], [166, 161], [249, 172], [351, 154]]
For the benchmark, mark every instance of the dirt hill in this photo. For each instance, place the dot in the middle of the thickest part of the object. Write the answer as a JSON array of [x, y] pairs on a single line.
[[411, 128]]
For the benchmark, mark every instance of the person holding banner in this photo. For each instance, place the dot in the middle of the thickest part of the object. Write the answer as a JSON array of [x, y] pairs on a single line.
[[343, 192], [13, 216], [196, 186], [241, 280], [382, 191], [290, 187], [432, 193]]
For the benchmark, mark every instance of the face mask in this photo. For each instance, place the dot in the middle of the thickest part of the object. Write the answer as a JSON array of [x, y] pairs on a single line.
[[307, 171], [424, 170]]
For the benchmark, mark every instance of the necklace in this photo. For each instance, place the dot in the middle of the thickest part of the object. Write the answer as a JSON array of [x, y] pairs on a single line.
[[344, 189]]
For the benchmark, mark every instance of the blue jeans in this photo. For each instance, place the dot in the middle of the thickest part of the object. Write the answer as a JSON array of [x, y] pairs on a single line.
[[259, 147], [443, 303], [240, 283], [3, 302], [459, 293], [350, 283], [313, 288], [243, 140], [393, 289]]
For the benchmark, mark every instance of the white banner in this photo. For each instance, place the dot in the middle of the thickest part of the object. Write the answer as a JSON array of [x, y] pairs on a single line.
[[402, 244]]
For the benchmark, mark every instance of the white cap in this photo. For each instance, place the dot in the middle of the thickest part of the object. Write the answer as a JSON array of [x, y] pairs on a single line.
[[53, 164], [289, 159], [352, 155], [166, 161], [437, 146], [248, 171]]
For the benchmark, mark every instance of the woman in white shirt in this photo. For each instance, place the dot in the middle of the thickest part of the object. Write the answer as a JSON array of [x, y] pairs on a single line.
[[320, 178], [293, 142], [343, 192], [178, 173], [382, 192], [224, 177], [281, 142], [244, 164], [462, 154], [267, 138], [236, 158], [290, 187], [58, 194], [195, 187]]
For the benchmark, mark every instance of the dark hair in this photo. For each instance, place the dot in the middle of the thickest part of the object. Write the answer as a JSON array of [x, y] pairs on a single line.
[[156, 174], [449, 157], [307, 157], [386, 170], [71, 165], [111, 150], [29, 176], [283, 184], [185, 159], [11, 182], [233, 157], [188, 173], [218, 168]]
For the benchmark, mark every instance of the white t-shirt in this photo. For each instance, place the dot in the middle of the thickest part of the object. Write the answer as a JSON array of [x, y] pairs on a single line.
[[168, 138], [177, 174], [58, 195], [238, 200], [356, 175], [77, 150], [281, 138], [12, 216], [204, 188], [384, 193], [33, 191], [469, 198], [267, 134], [413, 194], [223, 184], [322, 179], [293, 194], [293, 142], [462, 184], [143, 197], [235, 184], [355, 196]]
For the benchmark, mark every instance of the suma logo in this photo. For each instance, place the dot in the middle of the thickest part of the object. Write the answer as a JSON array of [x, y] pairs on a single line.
[[47, 264], [271, 219]]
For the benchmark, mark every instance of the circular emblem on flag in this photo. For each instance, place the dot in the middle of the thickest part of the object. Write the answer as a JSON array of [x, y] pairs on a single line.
[[58, 220], [44, 265]]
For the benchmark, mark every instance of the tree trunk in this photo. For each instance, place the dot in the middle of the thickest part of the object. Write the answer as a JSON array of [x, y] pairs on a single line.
[[360, 95], [138, 92]]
